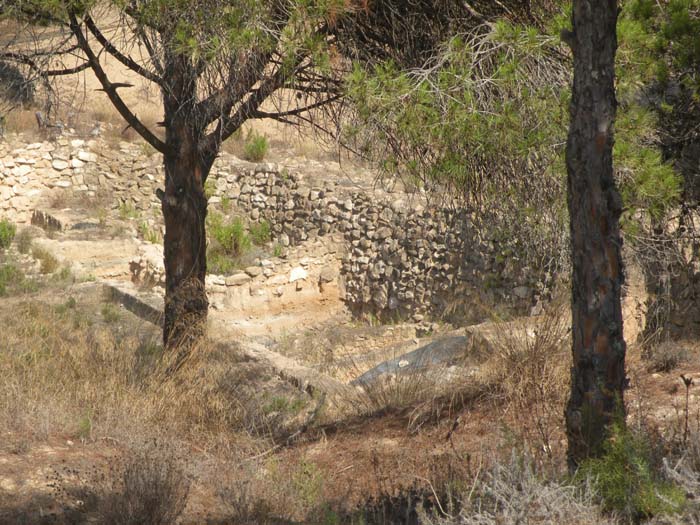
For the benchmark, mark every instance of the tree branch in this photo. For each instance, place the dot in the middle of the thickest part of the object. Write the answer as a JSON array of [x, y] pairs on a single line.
[[295, 112], [67, 71], [111, 91], [229, 124], [126, 60]]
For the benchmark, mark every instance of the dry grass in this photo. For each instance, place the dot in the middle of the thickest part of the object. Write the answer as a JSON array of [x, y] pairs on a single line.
[[65, 371], [528, 373]]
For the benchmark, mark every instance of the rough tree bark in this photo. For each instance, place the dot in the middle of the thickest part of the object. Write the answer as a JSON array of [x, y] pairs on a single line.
[[598, 370], [184, 206]]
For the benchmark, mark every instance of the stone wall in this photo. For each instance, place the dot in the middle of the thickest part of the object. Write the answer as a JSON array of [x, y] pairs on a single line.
[[400, 256]]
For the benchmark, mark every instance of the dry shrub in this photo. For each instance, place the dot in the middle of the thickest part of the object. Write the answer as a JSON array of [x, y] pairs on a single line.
[[515, 492], [23, 121], [146, 485], [528, 373], [665, 356]]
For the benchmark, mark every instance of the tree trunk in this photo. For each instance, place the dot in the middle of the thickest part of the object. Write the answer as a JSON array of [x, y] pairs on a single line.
[[184, 210], [598, 371]]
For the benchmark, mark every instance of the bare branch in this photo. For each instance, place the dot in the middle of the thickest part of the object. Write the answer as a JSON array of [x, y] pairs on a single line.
[[111, 90], [295, 112], [126, 60]]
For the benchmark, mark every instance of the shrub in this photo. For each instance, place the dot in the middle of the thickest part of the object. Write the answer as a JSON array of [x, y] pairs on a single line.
[[231, 237], [49, 263], [7, 233], [255, 148], [260, 233], [10, 277], [665, 356], [515, 492], [625, 480]]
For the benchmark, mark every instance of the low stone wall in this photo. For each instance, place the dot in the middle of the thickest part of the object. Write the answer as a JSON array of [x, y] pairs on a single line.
[[400, 256], [34, 173]]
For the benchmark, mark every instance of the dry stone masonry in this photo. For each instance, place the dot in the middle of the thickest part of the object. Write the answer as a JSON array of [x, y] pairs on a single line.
[[398, 255]]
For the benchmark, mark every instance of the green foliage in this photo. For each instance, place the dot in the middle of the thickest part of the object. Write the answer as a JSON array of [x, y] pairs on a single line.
[[664, 35], [625, 480], [256, 147], [283, 405], [149, 234], [228, 242], [110, 313], [7, 233], [11, 277], [128, 211], [489, 118], [209, 189], [230, 236], [260, 233]]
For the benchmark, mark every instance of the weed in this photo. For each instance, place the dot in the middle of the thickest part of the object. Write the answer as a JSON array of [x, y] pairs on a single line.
[[7, 233], [230, 236], [11, 278], [110, 313], [515, 492], [84, 427], [256, 147], [219, 262], [229, 241], [625, 480], [527, 372], [149, 234], [209, 189], [278, 250], [307, 482], [128, 211], [23, 241], [282, 404], [101, 213], [260, 233], [64, 274], [225, 204], [70, 304]]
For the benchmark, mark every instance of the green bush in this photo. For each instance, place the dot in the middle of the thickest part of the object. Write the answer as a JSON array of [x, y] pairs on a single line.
[[7, 233], [230, 236], [626, 481], [10, 277], [260, 233], [255, 148], [228, 242]]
